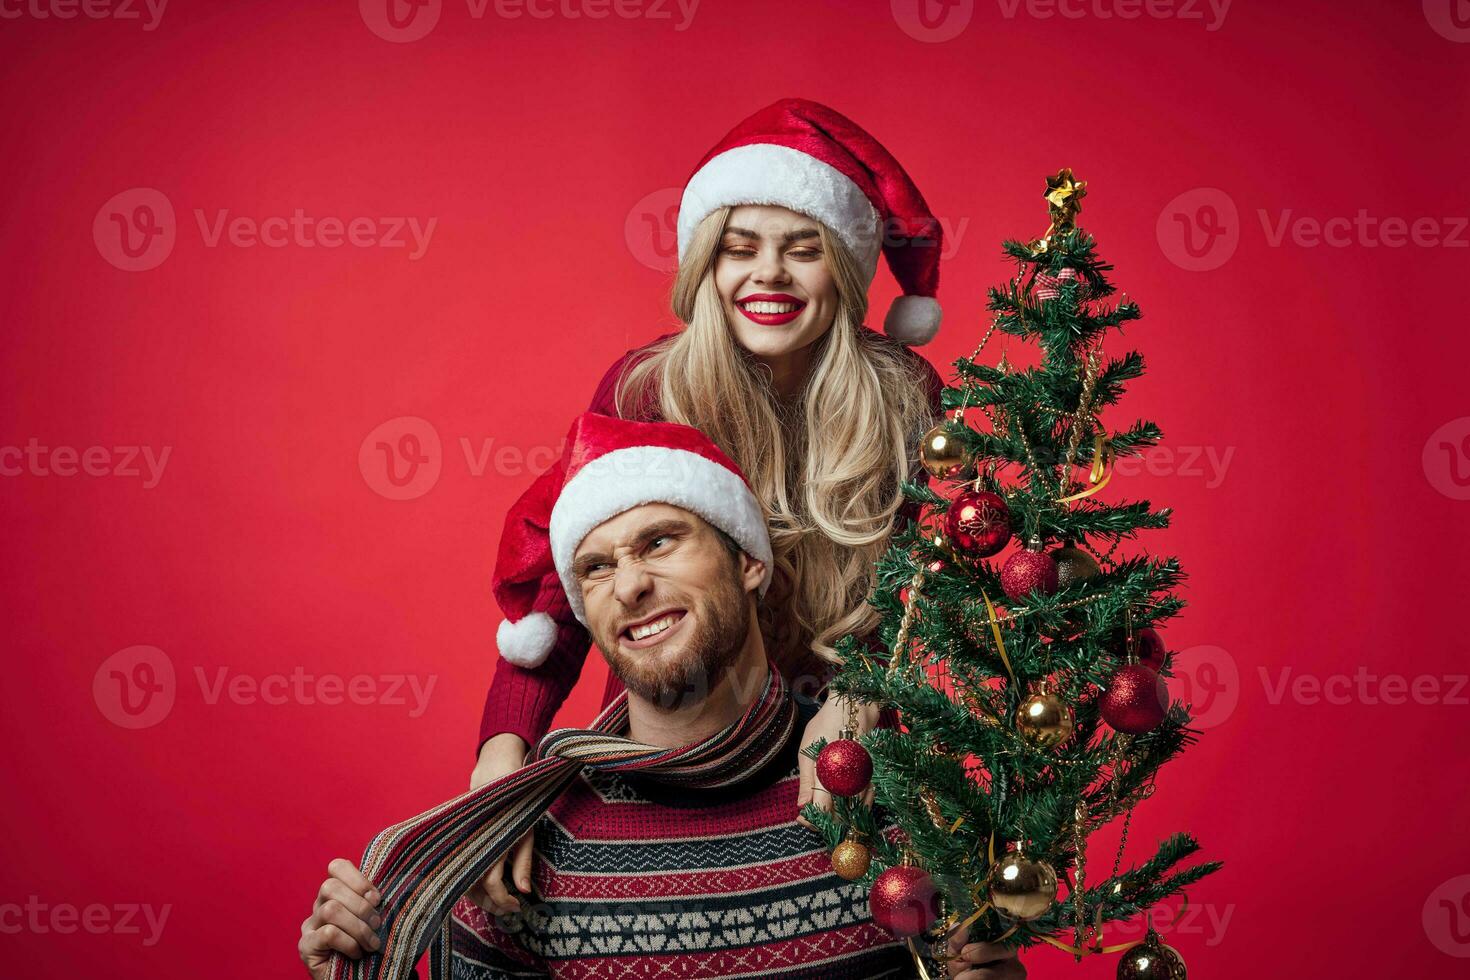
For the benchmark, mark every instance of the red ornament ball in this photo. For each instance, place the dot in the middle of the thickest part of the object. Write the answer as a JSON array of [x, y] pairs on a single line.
[[1136, 700], [978, 523], [904, 901], [845, 767], [1028, 571], [1149, 646]]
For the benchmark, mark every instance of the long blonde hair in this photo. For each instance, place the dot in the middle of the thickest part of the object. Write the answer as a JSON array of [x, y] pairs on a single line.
[[826, 470]]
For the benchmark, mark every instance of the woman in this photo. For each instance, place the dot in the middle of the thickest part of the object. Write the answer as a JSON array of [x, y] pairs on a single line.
[[780, 228]]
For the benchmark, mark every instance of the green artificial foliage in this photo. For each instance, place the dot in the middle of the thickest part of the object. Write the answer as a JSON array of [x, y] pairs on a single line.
[[959, 746]]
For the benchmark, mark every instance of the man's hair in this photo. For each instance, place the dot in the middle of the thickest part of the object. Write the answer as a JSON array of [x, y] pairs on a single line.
[[731, 545]]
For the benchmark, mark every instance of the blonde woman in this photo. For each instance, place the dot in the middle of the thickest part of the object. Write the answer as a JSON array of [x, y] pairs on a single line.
[[780, 229]]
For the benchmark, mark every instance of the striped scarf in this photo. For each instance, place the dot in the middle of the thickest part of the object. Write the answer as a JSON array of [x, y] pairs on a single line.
[[424, 865]]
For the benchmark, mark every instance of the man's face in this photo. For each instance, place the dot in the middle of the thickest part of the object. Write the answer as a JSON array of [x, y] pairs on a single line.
[[666, 602]]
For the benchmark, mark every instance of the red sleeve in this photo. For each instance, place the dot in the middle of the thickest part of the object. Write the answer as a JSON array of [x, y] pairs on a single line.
[[524, 700]]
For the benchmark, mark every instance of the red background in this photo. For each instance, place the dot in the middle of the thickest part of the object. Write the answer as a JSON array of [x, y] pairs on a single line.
[[1331, 543]]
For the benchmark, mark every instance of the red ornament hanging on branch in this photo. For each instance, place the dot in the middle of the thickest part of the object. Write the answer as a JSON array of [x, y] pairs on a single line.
[[1148, 647], [1027, 571], [1136, 700], [904, 901], [844, 767], [978, 523]]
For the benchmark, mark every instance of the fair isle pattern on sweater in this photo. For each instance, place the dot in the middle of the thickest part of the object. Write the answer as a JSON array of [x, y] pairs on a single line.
[[422, 865], [650, 882]]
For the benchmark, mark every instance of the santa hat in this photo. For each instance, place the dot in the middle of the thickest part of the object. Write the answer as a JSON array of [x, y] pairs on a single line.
[[801, 155], [610, 466]]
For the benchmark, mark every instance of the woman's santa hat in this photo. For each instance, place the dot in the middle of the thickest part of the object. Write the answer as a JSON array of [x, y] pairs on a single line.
[[610, 465], [801, 155]]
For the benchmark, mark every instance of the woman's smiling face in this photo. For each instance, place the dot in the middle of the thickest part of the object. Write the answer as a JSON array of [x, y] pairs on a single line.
[[774, 283]]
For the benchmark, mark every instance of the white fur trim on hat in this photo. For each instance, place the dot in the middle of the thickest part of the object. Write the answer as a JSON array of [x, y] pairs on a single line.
[[528, 641], [626, 478], [913, 320], [766, 173]]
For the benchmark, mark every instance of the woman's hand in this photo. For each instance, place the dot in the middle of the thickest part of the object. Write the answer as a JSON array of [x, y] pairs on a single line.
[[500, 756], [981, 961], [827, 723]]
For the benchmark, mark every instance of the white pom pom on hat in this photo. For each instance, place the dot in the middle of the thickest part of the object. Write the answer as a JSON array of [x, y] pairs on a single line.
[[528, 641]]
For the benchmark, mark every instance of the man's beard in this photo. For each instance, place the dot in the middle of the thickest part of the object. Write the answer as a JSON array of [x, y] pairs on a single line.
[[720, 626]]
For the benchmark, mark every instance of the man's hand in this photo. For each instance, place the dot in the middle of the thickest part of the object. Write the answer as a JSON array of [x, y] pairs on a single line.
[[827, 723], [982, 961], [343, 920], [500, 756]]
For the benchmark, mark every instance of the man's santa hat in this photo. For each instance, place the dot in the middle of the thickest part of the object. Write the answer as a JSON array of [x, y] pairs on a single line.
[[801, 155], [610, 466]]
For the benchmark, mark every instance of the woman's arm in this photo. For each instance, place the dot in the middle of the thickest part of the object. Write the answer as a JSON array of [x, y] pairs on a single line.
[[521, 700]]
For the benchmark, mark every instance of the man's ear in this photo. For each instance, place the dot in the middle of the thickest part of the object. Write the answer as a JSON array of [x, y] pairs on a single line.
[[752, 572]]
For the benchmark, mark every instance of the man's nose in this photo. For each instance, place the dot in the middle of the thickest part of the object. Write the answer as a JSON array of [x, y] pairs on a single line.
[[632, 583]]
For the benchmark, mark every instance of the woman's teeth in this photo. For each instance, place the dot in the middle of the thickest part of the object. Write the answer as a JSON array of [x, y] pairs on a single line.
[[657, 626], [764, 306]]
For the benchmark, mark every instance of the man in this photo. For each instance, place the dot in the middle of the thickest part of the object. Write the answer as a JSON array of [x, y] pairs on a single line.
[[652, 872]]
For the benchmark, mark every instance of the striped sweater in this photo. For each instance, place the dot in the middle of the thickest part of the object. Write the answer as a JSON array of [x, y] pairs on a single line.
[[635, 879]]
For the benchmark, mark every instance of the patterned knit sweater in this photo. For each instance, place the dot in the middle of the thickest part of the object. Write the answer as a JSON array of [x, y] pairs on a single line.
[[636, 879]]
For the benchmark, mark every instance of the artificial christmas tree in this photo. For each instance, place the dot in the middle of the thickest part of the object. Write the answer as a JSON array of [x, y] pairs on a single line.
[[1024, 729]]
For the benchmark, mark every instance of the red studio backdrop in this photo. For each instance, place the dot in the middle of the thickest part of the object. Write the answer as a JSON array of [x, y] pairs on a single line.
[[297, 298]]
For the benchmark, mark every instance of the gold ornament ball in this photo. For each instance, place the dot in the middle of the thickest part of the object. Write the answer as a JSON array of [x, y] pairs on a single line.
[[850, 859], [1045, 720], [1022, 887], [942, 455], [1152, 960], [1074, 565]]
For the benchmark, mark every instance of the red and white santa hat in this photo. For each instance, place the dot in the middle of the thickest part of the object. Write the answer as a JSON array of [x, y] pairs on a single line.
[[801, 155], [610, 465]]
